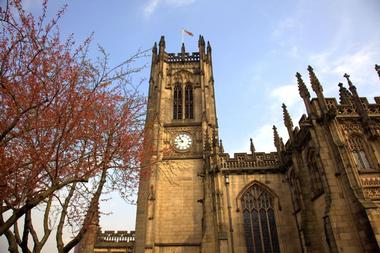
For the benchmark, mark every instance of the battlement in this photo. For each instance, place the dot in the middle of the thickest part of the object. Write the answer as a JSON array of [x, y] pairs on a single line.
[[245, 160], [182, 57], [118, 240]]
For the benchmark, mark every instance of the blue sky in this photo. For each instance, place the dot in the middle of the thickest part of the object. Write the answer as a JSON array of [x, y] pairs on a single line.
[[258, 46]]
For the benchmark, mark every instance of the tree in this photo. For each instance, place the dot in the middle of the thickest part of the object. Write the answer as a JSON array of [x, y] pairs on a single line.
[[64, 120]]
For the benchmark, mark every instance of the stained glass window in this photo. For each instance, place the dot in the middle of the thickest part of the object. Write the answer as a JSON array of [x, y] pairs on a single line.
[[259, 221], [177, 102]]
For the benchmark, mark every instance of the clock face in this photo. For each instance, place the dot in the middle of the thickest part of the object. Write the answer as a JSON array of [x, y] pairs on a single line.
[[182, 141]]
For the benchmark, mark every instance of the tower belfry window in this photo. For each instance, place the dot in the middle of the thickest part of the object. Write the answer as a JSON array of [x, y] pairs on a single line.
[[259, 221], [189, 113], [177, 102]]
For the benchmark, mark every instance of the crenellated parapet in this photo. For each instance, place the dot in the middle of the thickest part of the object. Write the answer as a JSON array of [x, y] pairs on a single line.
[[182, 57], [116, 239], [255, 161]]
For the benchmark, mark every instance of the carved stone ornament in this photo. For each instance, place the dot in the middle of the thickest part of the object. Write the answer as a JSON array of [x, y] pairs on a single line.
[[182, 76]]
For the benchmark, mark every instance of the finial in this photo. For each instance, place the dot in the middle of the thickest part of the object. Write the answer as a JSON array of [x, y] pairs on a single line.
[[221, 148], [304, 92], [208, 46], [377, 68], [162, 41], [252, 147], [154, 48], [344, 95], [161, 44], [183, 48], [287, 119], [347, 76], [201, 41], [276, 138], [315, 84]]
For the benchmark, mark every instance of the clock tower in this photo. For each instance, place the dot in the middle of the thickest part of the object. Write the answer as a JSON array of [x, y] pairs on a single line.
[[177, 205]]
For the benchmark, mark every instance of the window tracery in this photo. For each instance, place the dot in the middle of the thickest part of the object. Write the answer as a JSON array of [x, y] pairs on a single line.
[[358, 150], [259, 220]]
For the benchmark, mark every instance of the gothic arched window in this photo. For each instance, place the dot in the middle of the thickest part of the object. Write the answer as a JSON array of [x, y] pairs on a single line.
[[259, 221], [177, 102], [358, 151], [189, 102]]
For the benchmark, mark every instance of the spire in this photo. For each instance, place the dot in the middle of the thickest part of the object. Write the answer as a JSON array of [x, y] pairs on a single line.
[[356, 99], [221, 148], [154, 49], [276, 139], [287, 121], [201, 43], [344, 95], [251, 147], [208, 47], [315, 84], [162, 45], [304, 92], [377, 68], [154, 53], [317, 88]]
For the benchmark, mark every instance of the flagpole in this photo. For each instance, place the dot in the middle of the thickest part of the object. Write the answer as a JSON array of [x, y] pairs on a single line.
[[181, 36]]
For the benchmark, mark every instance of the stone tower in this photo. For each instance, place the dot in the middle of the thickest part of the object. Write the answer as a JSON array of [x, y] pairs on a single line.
[[181, 127]]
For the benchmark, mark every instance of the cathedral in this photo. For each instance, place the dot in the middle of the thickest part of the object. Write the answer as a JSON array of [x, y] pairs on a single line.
[[317, 192]]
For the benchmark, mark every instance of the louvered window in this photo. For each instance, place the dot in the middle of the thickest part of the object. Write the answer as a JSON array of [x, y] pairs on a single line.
[[177, 102], [189, 102]]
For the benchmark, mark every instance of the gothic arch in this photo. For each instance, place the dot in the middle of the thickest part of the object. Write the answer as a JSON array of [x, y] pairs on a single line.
[[245, 188], [258, 214], [184, 76]]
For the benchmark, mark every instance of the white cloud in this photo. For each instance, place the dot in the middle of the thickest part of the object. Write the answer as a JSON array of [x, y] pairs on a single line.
[[152, 5], [287, 94], [359, 63]]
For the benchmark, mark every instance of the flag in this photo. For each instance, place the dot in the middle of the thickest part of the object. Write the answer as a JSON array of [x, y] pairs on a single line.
[[188, 33]]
